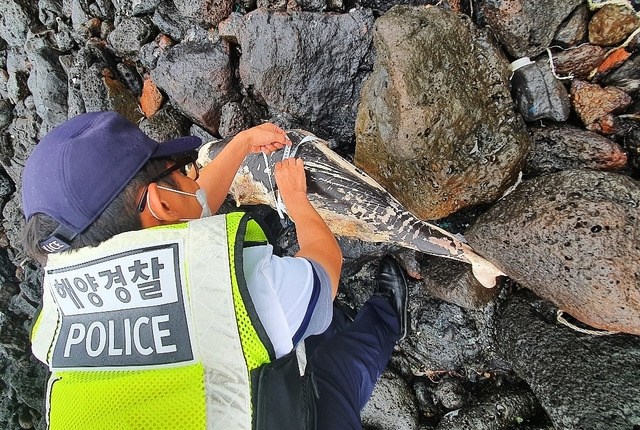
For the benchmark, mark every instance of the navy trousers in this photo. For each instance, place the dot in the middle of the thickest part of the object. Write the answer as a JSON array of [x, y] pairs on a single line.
[[347, 359]]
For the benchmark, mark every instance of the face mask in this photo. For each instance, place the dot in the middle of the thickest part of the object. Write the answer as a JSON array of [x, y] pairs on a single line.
[[200, 195]]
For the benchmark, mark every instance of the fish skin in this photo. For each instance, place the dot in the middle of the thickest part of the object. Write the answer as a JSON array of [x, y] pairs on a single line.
[[351, 202]]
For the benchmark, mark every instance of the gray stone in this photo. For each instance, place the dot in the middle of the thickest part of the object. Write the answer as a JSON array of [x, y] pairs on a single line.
[[454, 282], [573, 238], [31, 277], [169, 21], [450, 393], [21, 377], [200, 132], [563, 147], [4, 79], [102, 92], [232, 27], [392, 405], [6, 113], [428, 96], [6, 187], [47, 80], [207, 13], [444, 336], [106, 27], [148, 55], [629, 72], [88, 29], [17, 88], [632, 145], [382, 6], [130, 34], [141, 7], [358, 253], [14, 339], [93, 84], [247, 4], [336, 5], [17, 17], [27, 377], [64, 40], [168, 123], [49, 11], [526, 27], [272, 5], [307, 65], [426, 404], [581, 381], [233, 119], [7, 291], [135, 7], [129, 76], [78, 14], [13, 221], [312, 5], [358, 287], [197, 77], [574, 30], [497, 411], [20, 306], [23, 134], [83, 10], [75, 104]]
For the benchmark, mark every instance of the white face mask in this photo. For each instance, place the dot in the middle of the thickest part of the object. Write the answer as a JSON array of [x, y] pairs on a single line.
[[200, 195]]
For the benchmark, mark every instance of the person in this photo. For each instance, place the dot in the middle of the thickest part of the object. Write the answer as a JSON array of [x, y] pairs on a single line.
[[159, 315]]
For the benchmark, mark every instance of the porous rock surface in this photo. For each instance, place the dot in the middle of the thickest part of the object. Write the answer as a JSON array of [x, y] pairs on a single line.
[[582, 224], [424, 129]]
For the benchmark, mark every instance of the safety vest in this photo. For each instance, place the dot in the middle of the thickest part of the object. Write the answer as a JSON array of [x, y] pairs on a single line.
[[153, 329]]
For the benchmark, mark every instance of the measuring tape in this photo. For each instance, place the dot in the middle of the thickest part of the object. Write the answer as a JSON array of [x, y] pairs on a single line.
[[287, 153]]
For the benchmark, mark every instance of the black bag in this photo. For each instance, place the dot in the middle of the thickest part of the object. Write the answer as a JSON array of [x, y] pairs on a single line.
[[282, 398]]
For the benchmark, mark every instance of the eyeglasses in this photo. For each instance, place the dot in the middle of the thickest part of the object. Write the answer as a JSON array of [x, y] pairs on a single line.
[[187, 166]]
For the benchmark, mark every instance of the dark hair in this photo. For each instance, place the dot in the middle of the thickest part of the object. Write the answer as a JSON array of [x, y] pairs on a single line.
[[120, 216]]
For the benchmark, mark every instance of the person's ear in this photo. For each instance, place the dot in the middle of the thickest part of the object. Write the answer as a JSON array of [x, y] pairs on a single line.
[[162, 205]]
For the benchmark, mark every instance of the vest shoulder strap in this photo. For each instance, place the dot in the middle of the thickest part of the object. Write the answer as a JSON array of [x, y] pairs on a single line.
[[257, 346]]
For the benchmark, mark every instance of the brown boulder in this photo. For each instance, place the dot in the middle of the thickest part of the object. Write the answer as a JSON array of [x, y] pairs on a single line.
[[573, 238], [593, 102], [612, 24], [563, 146], [579, 61], [436, 124]]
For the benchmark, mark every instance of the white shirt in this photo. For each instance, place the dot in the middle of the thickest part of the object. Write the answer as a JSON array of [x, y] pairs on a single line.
[[282, 291]]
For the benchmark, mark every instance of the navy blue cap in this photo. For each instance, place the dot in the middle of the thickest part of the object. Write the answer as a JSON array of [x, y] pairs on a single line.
[[80, 166]]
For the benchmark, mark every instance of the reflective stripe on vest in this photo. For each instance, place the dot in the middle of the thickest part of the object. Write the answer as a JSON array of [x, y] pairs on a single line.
[[156, 330]]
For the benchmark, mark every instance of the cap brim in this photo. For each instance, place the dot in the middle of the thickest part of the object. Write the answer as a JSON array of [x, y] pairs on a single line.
[[177, 146]]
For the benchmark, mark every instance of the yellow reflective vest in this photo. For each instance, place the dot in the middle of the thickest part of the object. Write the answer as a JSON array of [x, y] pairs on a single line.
[[153, 329]]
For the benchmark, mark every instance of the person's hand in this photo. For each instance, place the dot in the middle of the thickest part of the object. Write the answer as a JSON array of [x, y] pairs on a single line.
[[316, 240], [266, 137], [291, 180]]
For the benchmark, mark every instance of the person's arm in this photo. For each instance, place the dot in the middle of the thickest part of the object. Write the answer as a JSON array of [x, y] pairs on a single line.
[[217, 176], [316, 241]]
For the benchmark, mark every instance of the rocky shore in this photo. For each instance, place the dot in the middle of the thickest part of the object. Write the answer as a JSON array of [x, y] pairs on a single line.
[[512, 123]]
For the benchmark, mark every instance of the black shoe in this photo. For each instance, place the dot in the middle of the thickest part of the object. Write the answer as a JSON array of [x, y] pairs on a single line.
[[392, 284]]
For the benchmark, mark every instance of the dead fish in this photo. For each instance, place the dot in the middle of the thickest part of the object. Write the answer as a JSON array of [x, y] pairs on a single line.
[[351, 202]]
